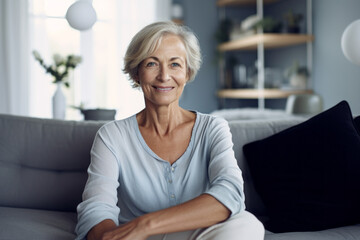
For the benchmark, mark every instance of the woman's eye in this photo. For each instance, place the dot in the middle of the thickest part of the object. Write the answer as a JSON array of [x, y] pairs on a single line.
[[151, 64], [175, 65]]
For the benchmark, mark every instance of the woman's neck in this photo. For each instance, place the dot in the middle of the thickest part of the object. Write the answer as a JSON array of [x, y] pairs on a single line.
[[163, 119]]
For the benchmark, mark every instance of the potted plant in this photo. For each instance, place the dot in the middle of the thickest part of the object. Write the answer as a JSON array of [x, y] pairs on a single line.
[[268, 25], [61, 66], [293, 21], [222, 33], [60, 71], [297, 75]]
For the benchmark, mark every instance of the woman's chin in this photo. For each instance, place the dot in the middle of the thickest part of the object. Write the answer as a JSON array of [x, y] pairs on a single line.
[[163, 102]]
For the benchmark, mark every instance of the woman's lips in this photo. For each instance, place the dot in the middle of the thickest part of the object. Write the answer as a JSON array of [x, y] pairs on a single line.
[[163, 89]]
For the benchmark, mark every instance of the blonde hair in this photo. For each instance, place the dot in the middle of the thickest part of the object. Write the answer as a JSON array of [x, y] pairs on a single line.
[[147, 40]]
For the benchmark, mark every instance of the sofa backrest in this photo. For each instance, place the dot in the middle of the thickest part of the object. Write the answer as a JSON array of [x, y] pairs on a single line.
[[246, 131], [43, 162]]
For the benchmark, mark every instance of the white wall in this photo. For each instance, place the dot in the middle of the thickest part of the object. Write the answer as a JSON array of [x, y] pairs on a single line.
[[335, 78]]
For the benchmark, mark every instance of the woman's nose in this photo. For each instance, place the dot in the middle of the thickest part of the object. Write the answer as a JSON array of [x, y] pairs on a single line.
[[164, 74]]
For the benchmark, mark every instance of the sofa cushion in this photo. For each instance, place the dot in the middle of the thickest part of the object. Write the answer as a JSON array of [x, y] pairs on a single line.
[[245, 131], [43, 162], [309, 175], [341, 233], [19, 223]]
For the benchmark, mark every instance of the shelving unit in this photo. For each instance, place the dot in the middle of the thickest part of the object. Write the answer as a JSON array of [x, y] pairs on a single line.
[[269, 40], [258, 93], [260, 42]]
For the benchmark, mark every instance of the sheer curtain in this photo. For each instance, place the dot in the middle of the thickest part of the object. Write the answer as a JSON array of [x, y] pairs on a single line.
[[99, 81], [14, 57]]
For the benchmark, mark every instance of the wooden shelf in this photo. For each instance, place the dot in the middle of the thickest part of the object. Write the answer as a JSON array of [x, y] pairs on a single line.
[[224, 3], [259, 43], [257, 93], [270, 40]]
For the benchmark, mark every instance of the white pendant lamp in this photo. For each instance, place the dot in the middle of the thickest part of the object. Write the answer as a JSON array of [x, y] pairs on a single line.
[[350, 42], [81, 15]]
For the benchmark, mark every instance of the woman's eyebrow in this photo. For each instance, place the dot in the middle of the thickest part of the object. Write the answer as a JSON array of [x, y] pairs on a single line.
[[152, 57], [171, 59]]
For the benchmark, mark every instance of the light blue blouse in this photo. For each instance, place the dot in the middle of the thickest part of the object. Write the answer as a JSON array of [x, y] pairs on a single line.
[[127, 179]]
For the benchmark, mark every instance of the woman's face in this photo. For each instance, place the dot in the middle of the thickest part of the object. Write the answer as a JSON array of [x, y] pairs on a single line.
[[163, 75]]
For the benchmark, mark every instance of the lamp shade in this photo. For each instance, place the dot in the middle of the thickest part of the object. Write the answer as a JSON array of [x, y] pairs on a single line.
[[81, 15], [350, 42]]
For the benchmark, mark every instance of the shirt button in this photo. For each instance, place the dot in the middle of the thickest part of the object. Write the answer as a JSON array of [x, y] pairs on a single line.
[[172, 195], [172, 169], [170, 181]]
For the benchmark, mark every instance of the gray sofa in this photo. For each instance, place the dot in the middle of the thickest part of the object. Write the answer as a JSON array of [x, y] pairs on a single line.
[[43, 166]]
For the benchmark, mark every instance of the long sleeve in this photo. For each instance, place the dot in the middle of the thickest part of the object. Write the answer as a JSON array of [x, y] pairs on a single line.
[[226, 182], [100, 193]]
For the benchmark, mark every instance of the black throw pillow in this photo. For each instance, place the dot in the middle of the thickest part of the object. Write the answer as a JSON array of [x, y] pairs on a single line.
[[357, 123], [309, 175]]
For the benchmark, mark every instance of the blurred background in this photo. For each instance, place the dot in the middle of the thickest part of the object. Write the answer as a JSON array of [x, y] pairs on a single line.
[[98, 82]]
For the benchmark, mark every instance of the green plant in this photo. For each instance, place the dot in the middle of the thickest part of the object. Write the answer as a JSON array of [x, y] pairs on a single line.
[[222, 33], [268, 25], [80, 107], [61, 66], [293, 21], [296, 69]]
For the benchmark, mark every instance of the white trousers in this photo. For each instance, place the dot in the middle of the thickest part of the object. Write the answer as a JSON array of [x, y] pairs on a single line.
[[243, 226]]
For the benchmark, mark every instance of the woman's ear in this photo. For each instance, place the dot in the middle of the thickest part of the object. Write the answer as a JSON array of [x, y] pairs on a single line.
[[136, 78], [188, 73]]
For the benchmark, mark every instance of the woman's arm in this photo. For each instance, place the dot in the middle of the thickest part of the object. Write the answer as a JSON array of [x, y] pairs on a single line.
[[202, 211], [100, 195], [98, 230]]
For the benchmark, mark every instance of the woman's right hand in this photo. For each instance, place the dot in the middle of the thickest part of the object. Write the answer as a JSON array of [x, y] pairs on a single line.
[[133, 230], [107, 230]]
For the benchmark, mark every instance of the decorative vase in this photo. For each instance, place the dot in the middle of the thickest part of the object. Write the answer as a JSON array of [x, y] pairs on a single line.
[[59, 103], [298, 81]]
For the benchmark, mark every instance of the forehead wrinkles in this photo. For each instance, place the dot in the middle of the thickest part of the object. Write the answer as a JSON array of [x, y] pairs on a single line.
[[175, 49], [156, 44]]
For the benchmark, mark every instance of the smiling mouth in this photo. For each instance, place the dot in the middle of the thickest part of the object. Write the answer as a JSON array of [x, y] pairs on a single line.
[[163, 89]]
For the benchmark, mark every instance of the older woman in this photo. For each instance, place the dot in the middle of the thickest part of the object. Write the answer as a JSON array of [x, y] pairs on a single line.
[[166, 172]]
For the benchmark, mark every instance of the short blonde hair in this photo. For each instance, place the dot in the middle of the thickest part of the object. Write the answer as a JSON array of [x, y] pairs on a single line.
[[147, 40]]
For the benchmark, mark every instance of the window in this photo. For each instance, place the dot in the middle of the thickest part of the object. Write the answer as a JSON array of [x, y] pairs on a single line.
[[98, 82]]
